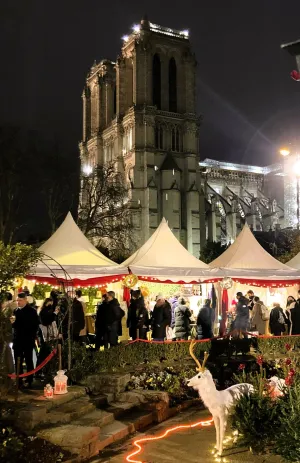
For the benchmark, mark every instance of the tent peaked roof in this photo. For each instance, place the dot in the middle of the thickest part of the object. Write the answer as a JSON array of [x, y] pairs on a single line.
[[295, 262], [69, 246], [247, 253], [163, 250]]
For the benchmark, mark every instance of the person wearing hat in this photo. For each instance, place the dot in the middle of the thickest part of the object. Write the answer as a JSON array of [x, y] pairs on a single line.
[[25, 327]]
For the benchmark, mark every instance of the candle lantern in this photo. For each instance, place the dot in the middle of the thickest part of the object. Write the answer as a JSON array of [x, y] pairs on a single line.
[[60, 382], [48, 391]]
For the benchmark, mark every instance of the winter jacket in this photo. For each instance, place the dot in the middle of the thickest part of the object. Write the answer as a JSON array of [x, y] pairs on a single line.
[[204, 323], [241, 321], [143, 321], [100, 320], [161, 318], [257, 321], [174, 303], [182, 322], [78, 319], [47, 315], [25, 326], [114, 315], [295, 317], [277, 321]]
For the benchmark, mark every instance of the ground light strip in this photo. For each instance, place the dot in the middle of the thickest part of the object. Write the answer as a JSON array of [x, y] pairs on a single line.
[[137, 443]]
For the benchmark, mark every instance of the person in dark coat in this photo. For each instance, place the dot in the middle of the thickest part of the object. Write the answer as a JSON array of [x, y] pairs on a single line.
[[143, 321], [161, 319], [277, 320], [25, 330], [182, 327], [48, 329], [295, 317], [250, 296], [241, 322], [100, 323], [114, 315], [136, 302], [78, 320], [204, 321]]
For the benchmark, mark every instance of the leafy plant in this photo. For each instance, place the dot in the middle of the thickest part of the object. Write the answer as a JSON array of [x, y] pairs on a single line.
[[40, 290], [287, 443], [15, 262], [257, 419]]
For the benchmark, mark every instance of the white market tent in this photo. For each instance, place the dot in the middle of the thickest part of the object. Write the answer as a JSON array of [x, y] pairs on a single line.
[[164, 257], [69, 248], [294, 262], [247, 258]]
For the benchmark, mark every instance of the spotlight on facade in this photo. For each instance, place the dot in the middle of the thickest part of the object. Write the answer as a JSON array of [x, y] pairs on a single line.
[[125, 38], [185, 33], [136, 28], [87, 169], [284, 152]]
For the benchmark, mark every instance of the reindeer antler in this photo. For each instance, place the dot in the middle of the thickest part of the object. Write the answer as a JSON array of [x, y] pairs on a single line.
[[206, 355], [192, 346], [200, 368]]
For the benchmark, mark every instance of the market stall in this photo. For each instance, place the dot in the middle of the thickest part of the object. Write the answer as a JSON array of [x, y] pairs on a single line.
[[246, 265]]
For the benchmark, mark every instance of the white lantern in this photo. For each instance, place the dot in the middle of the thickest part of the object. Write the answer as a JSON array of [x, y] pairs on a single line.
[[60, 382]]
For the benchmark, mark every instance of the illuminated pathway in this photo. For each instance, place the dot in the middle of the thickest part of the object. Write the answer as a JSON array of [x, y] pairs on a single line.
[[181, 439]]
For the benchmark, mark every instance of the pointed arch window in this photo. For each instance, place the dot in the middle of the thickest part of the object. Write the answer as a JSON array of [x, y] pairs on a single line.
[[159, 137], [156, 81], [176, 144], [172, 86]]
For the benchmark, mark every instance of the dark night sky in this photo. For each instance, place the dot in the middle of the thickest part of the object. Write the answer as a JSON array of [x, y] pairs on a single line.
[[249, 102]]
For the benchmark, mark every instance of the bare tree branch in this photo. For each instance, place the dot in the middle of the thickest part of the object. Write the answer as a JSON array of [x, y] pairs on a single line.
[[104, 213]]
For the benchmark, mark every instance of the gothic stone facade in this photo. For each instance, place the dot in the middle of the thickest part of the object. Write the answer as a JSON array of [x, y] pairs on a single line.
[[140, 112]]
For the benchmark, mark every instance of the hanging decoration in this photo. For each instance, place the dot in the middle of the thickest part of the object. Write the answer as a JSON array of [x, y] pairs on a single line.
[[226, 283], [295, 75], [130, 281], [145, 291], [19, 282]]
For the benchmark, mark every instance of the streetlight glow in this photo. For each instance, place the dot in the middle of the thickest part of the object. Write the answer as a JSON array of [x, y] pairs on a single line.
[[284, 152], [87, 169]]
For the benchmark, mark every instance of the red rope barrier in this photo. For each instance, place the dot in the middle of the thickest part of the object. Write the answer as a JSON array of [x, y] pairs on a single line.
[[50, 356]]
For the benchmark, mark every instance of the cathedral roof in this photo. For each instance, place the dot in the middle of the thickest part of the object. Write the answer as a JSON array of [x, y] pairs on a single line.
[[169, 163], [247, 253]]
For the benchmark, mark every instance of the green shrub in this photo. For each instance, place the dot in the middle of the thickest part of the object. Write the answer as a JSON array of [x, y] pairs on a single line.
[[287, 443], [257, 420]]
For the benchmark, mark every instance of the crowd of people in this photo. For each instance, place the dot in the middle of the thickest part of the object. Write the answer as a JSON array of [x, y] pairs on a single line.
[[165, 319], [31, 332], [170, 319], [251, 314]]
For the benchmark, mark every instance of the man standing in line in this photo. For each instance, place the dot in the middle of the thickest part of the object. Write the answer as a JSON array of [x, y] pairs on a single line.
[[114, 315], [25, 329]]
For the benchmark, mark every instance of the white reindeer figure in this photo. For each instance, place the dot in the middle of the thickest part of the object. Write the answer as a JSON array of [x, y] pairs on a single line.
[[218, 403]]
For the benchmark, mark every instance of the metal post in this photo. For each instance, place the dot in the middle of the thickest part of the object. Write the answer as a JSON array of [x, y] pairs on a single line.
[[298, 204]]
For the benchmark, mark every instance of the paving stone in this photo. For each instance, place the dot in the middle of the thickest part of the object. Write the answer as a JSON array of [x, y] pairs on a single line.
[[96, 418], [74, 392], [80, 440]]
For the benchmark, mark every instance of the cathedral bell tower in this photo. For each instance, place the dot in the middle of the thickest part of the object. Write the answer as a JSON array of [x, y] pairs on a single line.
[[141, 111]]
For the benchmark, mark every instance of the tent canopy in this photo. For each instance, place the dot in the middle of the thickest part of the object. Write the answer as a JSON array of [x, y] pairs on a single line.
[[69, 251], [69, 246], [247, 253], [163, 254], [294, 262]]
